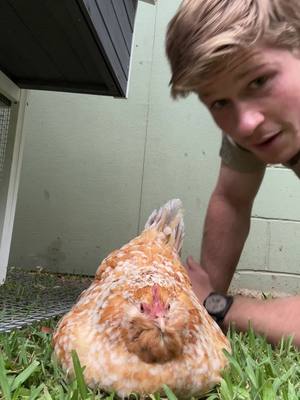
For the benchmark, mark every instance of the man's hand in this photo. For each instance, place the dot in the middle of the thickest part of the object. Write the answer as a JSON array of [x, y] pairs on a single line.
[[200, 280]]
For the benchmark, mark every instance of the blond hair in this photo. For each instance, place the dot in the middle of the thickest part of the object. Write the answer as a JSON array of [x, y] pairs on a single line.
[[206, 33]]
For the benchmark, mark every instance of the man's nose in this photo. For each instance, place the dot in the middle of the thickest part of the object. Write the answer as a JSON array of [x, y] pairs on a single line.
[[249, 118]]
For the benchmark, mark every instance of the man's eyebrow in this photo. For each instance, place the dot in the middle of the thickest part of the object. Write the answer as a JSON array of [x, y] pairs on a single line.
[[240, 76], [251, 70], [204, 95]]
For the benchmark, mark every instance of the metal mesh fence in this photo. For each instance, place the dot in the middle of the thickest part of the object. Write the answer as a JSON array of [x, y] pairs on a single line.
[[27, 297], [5, 107]]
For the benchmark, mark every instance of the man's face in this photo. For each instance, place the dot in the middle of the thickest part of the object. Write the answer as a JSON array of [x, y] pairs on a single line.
[[256, 101]]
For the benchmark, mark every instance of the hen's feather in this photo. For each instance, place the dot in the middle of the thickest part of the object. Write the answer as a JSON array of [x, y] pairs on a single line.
[[139, 325]]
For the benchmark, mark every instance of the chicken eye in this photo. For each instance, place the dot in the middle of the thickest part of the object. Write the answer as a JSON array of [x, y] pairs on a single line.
[[168, 306], [142, 309]]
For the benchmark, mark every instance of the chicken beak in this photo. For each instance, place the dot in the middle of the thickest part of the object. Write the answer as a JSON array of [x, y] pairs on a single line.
[[161, 323]]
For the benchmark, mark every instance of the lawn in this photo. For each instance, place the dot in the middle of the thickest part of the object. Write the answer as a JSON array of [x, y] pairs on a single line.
[[257, 371]]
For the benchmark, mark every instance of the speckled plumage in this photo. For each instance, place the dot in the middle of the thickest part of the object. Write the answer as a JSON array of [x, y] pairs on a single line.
[[139, 325]]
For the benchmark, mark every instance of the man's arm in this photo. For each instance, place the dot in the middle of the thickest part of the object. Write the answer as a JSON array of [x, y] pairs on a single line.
[[273, 318], [227, 224]]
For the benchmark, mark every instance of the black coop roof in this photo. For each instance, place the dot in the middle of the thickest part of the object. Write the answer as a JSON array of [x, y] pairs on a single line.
[[67, 45]]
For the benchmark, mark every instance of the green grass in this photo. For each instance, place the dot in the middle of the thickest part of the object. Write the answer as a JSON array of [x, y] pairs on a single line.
[[257, 371]]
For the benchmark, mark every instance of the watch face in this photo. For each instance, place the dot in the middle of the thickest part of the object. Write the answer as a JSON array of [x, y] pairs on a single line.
[[215, 303]]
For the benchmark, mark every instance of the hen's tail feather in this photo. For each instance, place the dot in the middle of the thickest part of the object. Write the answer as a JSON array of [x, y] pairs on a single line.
[[169, 220]]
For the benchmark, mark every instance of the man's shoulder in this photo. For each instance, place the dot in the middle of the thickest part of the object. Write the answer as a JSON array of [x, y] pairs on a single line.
[[294, 164], [238, 158]]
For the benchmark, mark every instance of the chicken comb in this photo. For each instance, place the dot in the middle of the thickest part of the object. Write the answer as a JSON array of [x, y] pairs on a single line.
[[169, 220]]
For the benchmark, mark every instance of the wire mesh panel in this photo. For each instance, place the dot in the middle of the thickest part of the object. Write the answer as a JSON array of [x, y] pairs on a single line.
[[27, 297], [5, 108]]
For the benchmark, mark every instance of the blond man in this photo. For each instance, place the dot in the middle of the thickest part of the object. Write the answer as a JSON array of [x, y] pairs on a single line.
[[242, 58]]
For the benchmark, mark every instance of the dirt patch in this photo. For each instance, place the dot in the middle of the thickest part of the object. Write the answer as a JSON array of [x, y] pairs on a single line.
[[258, 294]]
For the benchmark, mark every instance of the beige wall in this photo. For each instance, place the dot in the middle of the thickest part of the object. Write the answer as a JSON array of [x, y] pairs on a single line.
[[95, 167]]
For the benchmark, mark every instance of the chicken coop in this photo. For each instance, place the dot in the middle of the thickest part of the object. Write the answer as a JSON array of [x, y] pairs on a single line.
[[91, 143]]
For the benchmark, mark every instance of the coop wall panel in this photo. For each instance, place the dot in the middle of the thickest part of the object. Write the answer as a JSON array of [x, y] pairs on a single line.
[[120, 12], [279, 195], [284, 246], [256, 253], [130, 6]]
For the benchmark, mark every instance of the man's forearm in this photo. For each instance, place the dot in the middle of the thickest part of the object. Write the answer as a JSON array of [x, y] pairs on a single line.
[[273, 318], [225, 232]]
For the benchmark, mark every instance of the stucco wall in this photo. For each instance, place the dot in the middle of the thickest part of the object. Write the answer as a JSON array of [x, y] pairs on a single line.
[[95, 167]]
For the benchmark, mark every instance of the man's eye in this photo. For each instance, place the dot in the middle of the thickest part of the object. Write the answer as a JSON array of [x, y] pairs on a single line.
[[259, 82], [218, 105]]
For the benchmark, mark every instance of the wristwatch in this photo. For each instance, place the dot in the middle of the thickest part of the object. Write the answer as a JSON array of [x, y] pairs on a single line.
[[217, 305]]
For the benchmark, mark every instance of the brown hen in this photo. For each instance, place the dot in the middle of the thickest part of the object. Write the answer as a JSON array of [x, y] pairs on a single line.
[[139, 325]]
